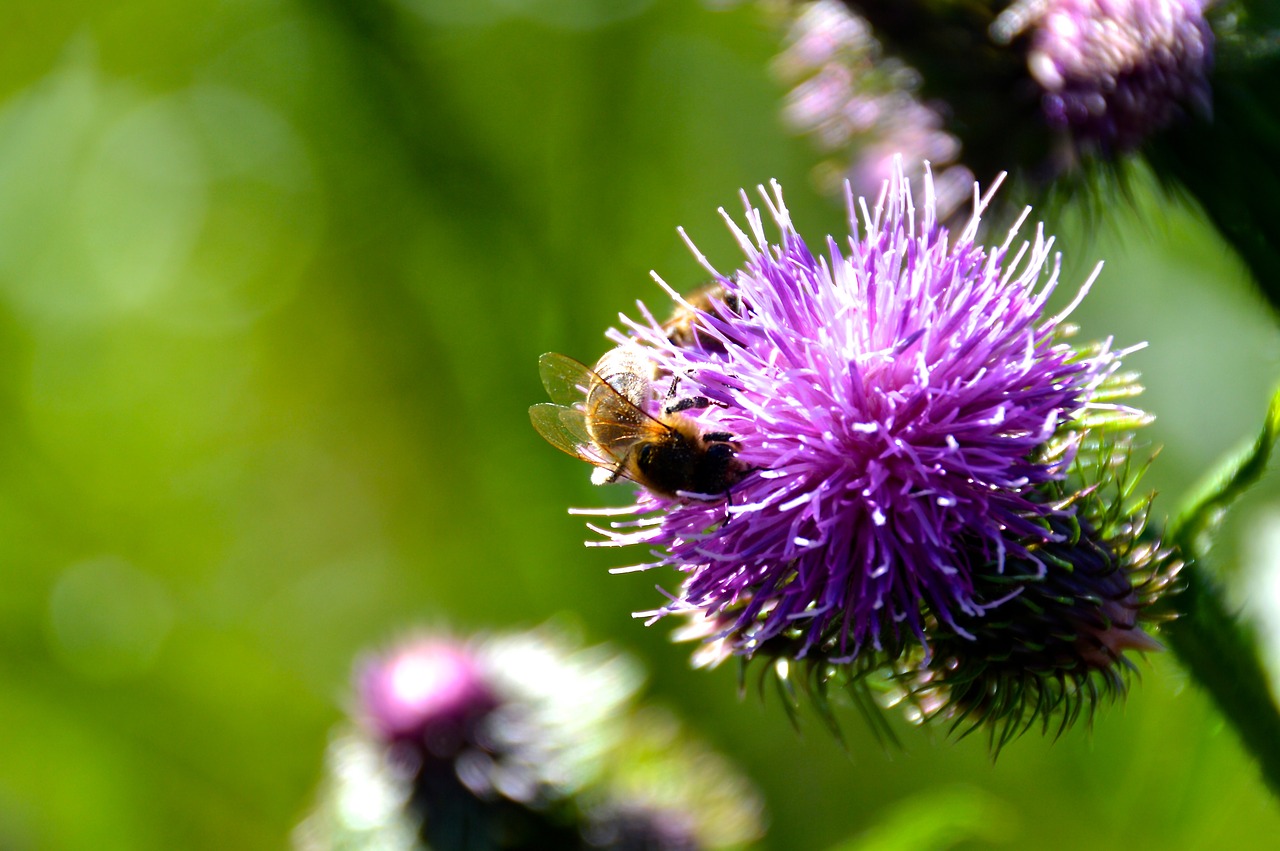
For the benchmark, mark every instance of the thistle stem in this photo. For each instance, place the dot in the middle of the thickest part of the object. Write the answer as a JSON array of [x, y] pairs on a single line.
[[1216, 648]]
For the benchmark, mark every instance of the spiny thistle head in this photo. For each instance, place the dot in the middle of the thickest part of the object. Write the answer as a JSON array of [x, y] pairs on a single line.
[[519, 742], [933, 486], [891, 402]]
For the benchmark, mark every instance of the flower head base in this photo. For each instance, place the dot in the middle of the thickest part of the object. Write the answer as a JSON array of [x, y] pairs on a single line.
[[896, 401], [1055, 647], [1113, 72]]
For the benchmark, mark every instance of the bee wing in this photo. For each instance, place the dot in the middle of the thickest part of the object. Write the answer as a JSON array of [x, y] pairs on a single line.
[[565, 379], [569, 382], [566, 429], [617, 426]]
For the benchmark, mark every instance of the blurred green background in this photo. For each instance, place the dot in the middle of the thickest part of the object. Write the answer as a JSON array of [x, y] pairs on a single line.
[[274, 278]]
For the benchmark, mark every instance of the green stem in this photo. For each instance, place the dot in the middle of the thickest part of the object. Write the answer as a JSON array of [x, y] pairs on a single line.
[[1218, 651], [1226, 162]]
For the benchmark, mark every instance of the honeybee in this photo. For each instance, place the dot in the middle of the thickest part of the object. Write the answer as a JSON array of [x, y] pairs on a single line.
[[601, 416], [681, 328]]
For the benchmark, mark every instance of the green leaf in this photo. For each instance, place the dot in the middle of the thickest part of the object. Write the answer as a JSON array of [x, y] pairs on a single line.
[[1194, 524], [940, 819], [1218, 649]]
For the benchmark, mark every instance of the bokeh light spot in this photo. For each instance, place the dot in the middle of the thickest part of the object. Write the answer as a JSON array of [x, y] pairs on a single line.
[[108, 620]]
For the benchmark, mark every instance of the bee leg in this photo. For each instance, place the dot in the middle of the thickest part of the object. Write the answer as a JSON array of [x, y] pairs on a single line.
[[691, 402], [728, 503], [718, 437]]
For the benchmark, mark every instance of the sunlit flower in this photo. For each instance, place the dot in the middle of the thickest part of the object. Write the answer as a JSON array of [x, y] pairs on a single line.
[[900, 403]]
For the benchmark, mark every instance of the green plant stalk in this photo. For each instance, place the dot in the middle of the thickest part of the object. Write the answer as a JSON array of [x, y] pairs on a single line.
[[1226, 162], [1213, 643], [1219, 652]]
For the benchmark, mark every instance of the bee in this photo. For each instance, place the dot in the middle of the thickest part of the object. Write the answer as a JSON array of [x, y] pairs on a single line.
[[681, 329], [602, 417]]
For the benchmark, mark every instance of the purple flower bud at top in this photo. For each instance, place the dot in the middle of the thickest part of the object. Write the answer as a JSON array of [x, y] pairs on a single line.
[[1115, 71], [427, 692]]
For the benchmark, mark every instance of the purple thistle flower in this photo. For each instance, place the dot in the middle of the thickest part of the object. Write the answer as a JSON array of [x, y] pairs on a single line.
[[1113, 72], [898, 402]]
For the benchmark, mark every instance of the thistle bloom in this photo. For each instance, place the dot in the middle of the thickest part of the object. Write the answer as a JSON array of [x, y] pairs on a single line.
[[900, 404], [1113, 72], [519, 742], [1043, 87]]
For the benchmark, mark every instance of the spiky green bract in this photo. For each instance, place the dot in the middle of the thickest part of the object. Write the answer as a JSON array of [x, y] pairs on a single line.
[[1054, 649]]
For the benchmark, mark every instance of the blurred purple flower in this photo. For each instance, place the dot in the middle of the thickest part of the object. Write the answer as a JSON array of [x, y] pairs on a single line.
[[899, 402], [863, 107], [1113, 72], [427, 691], [522, 742]]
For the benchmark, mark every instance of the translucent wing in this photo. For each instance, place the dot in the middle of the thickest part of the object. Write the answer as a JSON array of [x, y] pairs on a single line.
[[566, 379], [616, 422], [566, 429], [616, 426]]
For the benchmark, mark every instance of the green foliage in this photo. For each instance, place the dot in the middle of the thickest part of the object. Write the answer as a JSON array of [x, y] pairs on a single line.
[[1219, 649], [1203, 512]]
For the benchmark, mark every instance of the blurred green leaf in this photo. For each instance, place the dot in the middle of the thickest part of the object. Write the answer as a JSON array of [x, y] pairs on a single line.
[[937, 820], [1202, 513]]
